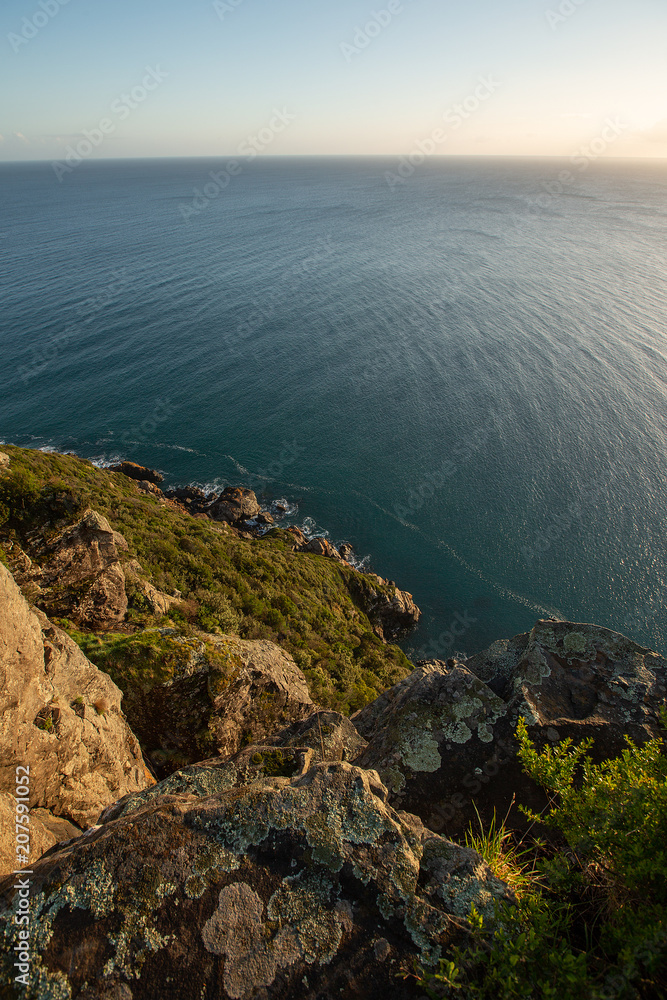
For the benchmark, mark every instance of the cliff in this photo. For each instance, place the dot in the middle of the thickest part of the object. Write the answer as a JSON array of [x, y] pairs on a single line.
[[288, 849]]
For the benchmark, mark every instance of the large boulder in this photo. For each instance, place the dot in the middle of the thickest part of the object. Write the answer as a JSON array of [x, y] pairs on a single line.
[[323, 547], [189, 696], [443, 739], [260, 888], [79, 575], [235, 504], [60, 717]]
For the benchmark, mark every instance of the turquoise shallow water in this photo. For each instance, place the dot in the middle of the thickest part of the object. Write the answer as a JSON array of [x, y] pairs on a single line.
[[464, 376]]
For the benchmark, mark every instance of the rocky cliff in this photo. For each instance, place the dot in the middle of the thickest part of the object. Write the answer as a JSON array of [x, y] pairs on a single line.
[[60, 718], [288, 850]]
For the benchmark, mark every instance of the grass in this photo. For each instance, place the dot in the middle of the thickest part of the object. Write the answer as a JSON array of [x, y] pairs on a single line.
[[507, 857]]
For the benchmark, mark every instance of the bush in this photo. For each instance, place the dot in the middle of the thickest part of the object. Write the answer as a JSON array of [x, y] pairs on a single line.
[[19, 491], [591, 918]]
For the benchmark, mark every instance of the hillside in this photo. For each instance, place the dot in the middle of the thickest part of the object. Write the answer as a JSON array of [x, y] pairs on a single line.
[[313, 607]]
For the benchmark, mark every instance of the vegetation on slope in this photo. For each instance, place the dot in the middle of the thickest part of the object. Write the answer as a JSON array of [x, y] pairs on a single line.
[[255, 588], [591, 916]]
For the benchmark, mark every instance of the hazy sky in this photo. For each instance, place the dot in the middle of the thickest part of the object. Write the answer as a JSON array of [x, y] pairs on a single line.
[[195, 78]]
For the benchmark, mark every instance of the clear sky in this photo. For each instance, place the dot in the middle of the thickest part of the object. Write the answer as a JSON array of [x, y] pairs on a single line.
[[533, 77]]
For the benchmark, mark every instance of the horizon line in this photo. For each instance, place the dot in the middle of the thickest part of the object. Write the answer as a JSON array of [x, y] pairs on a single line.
[[330, 156]]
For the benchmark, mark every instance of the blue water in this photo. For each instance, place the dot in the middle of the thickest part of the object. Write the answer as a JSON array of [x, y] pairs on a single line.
[[463, 376]]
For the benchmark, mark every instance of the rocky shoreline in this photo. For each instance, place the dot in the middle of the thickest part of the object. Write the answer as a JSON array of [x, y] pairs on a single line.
[[239, 509]]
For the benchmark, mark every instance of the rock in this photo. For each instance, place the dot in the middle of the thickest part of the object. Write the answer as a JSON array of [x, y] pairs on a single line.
[[82, 573], [45, 830], [265, 518], [322, 547], [443, 740], [391, 611], [276, 886], [79, 759], [347, 552], [160, 603], [235, 504], [134, 471], [427, 735], [188, 494], [147, 487], [4, 461], [300, 540], [221, 692], [331, 737], [192, 499]]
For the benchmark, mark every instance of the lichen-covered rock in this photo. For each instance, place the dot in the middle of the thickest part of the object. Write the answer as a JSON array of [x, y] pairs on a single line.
[[285, 887], [443, 740], [4, 461], [60, 717], [221, 692], [428, 732]]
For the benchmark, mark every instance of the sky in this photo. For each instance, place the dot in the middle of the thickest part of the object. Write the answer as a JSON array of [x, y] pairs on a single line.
[[138, 78]]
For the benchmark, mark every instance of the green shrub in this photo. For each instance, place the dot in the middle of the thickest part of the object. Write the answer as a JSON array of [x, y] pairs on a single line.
[[590, 922], [19, 491]]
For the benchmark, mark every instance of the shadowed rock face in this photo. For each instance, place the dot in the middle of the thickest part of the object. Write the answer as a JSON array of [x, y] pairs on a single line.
[[60, 717], [265, 887], [225, 692], [329, 735], [391, 611], [443, 739]]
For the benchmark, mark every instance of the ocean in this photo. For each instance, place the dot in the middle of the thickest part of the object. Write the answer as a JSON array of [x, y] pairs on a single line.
[[462, 371]]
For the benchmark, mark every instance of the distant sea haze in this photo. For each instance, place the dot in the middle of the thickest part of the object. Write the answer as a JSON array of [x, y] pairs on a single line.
[[463, 374]]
